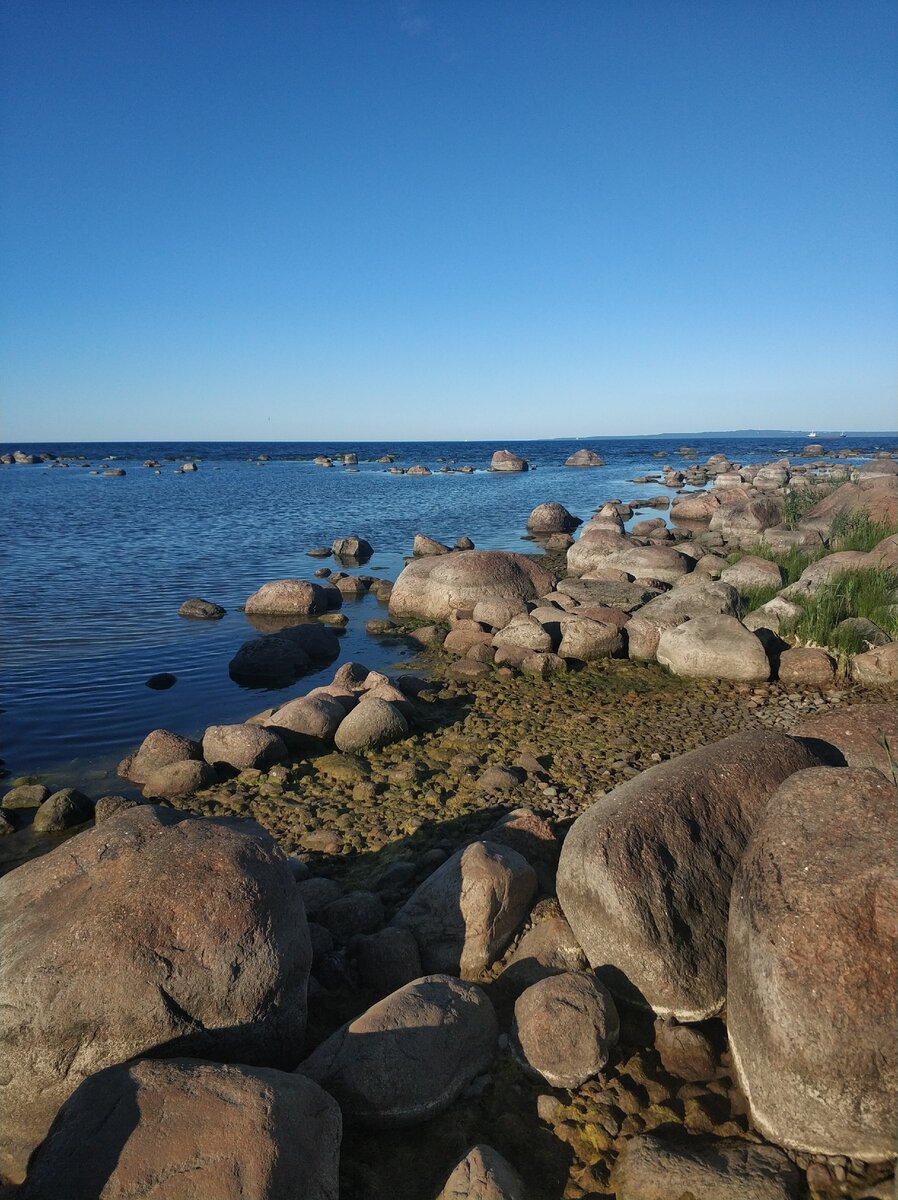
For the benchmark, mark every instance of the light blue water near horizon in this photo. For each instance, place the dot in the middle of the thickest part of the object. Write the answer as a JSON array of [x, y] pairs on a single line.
[[95, 568]]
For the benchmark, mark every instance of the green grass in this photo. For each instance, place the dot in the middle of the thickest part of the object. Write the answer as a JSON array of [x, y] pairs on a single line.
[[857, 532], [800, 501], [751, 598], [869, 592], [790, 562]]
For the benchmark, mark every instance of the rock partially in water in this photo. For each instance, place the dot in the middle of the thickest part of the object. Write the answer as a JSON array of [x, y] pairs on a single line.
[[201, 610], [585, 458], [289, 598], [279, 659], [505, 460], [435, 587], [63, 810]]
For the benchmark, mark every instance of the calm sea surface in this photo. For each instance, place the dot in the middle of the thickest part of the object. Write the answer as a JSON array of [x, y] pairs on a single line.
[[95, 568]]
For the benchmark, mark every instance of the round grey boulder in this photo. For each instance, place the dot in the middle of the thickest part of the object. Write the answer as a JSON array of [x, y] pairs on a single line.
[[63, 810], [435, 587], [201, 610], [552, 518], [242, 746], [288, 598], [506, 461], [565, 1027], [714, 647], [370, 725], [408, 1057]]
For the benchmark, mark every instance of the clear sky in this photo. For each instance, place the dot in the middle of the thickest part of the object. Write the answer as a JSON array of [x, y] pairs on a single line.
[[447, 218]]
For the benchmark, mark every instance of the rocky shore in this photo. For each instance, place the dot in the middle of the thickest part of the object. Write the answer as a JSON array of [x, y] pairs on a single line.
[[600, 903]]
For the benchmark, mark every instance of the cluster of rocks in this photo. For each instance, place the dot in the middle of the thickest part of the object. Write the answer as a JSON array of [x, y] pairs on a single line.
[[256, 1027]]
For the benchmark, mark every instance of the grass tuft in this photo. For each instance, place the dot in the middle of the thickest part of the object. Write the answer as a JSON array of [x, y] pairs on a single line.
[[869, 592]]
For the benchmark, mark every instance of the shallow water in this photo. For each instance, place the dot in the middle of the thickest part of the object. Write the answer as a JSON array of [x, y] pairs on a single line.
[[96, 568]]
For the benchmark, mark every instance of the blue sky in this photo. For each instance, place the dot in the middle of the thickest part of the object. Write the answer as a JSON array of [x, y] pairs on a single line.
[[471, 218]]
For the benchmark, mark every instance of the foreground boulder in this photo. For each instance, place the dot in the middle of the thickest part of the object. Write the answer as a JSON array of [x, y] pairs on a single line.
[[483, 1174], [191, 1130], [875, 498], [714, 647], [705, 598], [813, 967], [434, 587], [465, 913], [371, 724], [151, 932], [660, 1168], [289, 598], [565, 1027], [645, 873], [863, 735], [410, 1055]]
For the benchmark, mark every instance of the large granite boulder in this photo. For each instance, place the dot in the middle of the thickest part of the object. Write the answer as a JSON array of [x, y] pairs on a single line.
[[242, 746], [696, 506], [565, 1027], [465, 913], [159, 748], [650, 1167], [595, 546], [552, 518], [812, 994], [714, 647], [743, 515], [876, 498], [653, 562], [705, 598], [644, 875], [410, 1055], [289, 598], [152, 933], [585, 458], [505, 460], [371, 724], [753, 572], [435, 587], [307, 723], [862, 735], [183, 1129]]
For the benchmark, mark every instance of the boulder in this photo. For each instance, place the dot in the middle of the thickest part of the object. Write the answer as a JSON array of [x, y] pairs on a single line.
[[279, 659], [465, 913], [782, 540], [110, 806], [653, 562], [201, 610], [549, 948], [752, 572], [595, 547], [585, 458], [242, 746], [564, 1028], [743, 516], [63, 810], [685, 1052], [370, 725], [875, 498], [497, 612], [813, 965], [408, 1057], [27, 795], [504, 460], [857, 735], [435, 587], [877, 667], [178, 779], [552, 518], [172, 935], [585, 640], [483, 1174], [776, 615], [816, 574], [714, 647], [159, 748], [424, 545], [644, 876], [183, 1129], [608, 593], [696, 506], [288, 598], [670, 609], [418, 470], [806, 665], [386, 960], [308, 723], [525, 634], [650, 1167], [351, 549]]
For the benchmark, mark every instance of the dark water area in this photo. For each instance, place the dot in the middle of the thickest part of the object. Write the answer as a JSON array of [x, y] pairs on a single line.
[[95, 568]]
